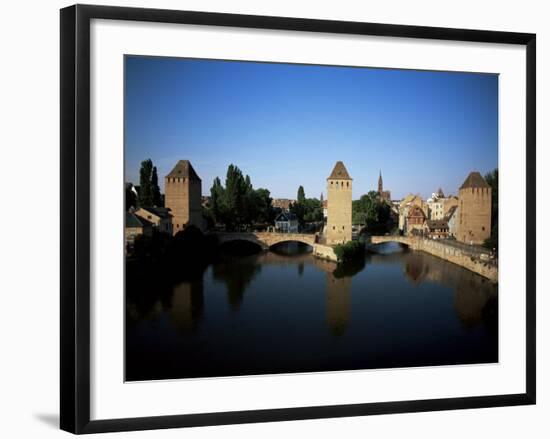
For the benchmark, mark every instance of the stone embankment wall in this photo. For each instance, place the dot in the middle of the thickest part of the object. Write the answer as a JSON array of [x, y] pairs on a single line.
[[324, 252], [485, 268], [476, 261]]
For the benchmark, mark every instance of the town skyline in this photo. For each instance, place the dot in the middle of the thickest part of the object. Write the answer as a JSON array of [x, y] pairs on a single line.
[[423, 130]]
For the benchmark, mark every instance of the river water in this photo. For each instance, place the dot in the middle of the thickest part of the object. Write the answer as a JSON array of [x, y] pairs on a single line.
[[284, 311]]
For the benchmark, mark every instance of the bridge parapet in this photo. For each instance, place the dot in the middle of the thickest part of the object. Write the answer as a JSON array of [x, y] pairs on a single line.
[[266, 239], [408, 240]]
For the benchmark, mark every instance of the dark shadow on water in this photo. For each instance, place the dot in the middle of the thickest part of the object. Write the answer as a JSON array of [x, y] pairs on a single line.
[[237, 274], [291, 248], [49, 419]]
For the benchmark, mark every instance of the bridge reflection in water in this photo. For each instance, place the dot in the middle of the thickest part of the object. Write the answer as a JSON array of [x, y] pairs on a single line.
[[265, 313]]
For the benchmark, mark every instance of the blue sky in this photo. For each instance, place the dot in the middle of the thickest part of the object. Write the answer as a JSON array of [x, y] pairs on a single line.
[[286, 125]]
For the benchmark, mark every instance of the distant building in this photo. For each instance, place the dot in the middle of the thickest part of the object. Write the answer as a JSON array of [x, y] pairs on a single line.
[[183, 196], [439, 205], [406, 205], [384, 195], [282, 203], [160, 217], [324, 203], [437, 229], [286, 222], [452, 221], [339, 189], [135, 226], [416, 220], [474, 197]]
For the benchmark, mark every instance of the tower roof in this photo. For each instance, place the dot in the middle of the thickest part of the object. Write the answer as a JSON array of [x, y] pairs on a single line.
[[184, 169], [474, 180], [339, 172]]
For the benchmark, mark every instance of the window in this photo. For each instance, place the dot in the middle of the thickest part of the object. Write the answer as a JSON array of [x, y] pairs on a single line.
[[333, 227], [343, 227]]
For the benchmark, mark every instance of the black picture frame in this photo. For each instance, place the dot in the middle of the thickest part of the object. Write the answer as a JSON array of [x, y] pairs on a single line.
[[75, 217]]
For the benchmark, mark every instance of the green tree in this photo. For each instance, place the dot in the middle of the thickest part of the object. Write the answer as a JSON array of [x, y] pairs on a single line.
[[238, 203], [217, 199], [262, 201], [145, 184], [301, 198], [313, 210], [131, 199], [373, 212], [155, 189], [492, 180]]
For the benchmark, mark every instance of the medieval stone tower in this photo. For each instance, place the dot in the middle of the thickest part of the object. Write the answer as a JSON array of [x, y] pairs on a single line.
[[182, 188], [338, 229], [474, 210]]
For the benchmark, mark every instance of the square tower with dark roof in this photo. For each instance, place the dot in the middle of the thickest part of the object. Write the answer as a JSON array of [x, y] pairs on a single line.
[[474, 210], [338, 229], [182, 188]]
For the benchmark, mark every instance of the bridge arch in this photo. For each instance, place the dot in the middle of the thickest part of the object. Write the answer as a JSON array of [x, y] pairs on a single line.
[[274, 245], [266, 239]]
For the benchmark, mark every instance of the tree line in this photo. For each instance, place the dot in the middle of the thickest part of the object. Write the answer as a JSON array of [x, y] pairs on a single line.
[[237, 203], [148, 191], [492, 180], [307, 210], [373, 212]]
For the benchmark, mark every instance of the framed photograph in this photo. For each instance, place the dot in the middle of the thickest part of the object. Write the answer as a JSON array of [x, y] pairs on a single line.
[[268, 218]]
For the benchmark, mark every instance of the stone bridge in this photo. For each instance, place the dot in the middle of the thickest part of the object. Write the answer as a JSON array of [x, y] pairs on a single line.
[[410, 241], [266, 239]]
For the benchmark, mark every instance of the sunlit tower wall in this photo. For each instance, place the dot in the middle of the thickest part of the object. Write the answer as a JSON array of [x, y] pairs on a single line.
[[182, 189], [339, 189], [474, 210]]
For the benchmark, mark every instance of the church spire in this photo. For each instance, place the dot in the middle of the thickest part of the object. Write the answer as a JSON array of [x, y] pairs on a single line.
[[380, 186]]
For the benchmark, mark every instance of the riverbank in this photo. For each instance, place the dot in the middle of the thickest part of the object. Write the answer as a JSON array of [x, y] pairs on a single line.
[[479, 264], [476, 264]]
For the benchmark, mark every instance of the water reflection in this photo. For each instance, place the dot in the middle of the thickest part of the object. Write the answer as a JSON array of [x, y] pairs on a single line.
[[286, 311], [187, 306], [338, 303]]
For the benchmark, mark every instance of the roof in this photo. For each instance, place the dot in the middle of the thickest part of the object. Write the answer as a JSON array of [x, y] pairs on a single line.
[[132, 220], [474, 180], [286, 217], [437, 224], [161, 212], [416, 211], [339, 172], [450, 212], [184, 169]]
